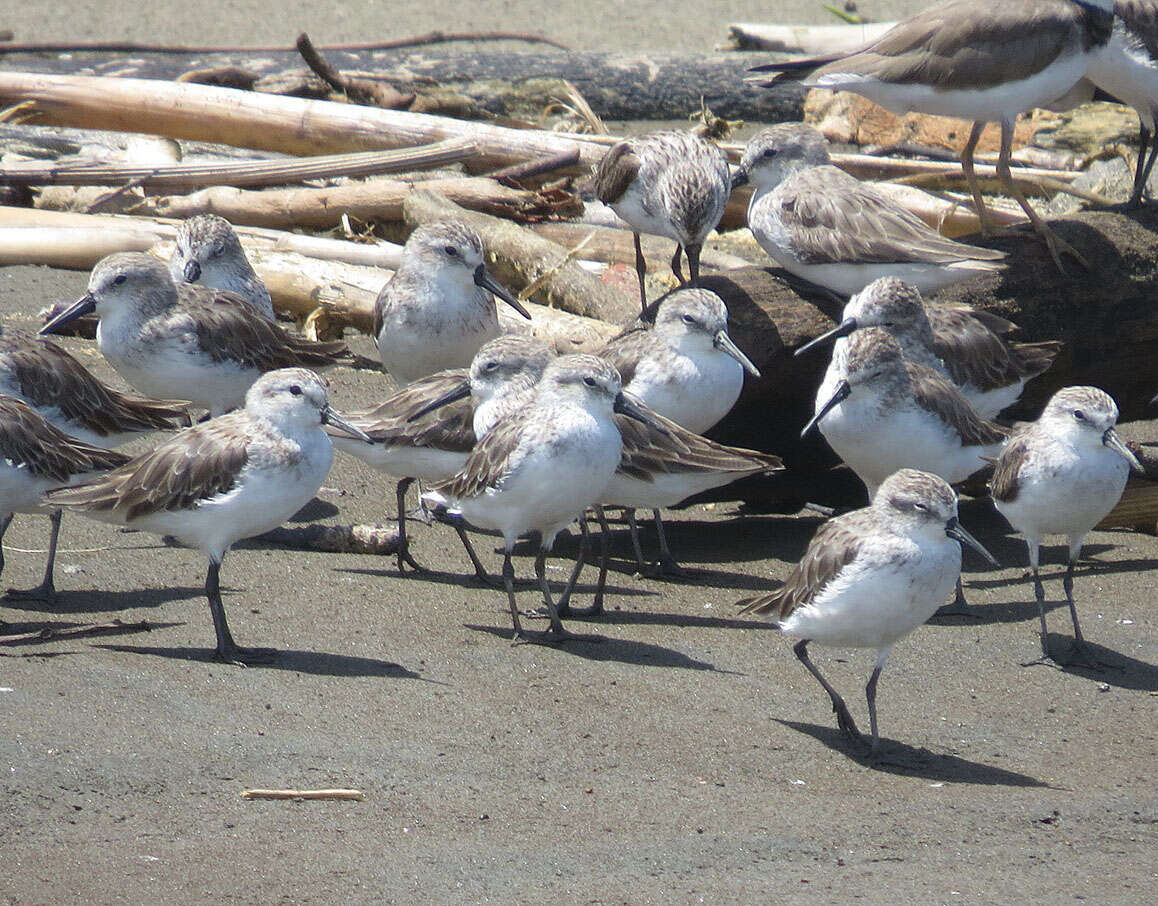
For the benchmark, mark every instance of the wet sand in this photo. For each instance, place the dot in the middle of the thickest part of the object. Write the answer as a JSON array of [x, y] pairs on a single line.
[[687, 757]]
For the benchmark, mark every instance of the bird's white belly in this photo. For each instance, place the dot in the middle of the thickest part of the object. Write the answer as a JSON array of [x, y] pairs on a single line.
[[1068, 501]]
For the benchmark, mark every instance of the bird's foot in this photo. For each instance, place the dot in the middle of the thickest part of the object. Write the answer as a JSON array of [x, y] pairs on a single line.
[[845, 723], [405, 559], [553, 636], [580, 613], [667, 568], [959, 608], [45, 591], [243, 657], [1058, 248]]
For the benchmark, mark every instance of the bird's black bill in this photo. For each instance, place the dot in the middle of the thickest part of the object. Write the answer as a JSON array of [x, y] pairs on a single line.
[[462, 391], [842, 391], [626, 404], [339, 421], [192, 272], [1111, 440], [843, 329], [483, 278], [954, 530], [724, 342], [739, 178], [81, 307]]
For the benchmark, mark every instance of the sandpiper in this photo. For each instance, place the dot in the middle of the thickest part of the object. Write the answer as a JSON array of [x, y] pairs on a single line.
[[881, 412], [226, 479], [672, 184], [539, 468], [870, 577], [831, 229], [180, 341], [1061, 475], [685, 366], [989, 370], [427, 430], [35, 456], [60, 388], [439, 307], [984, 60], [208, 252]]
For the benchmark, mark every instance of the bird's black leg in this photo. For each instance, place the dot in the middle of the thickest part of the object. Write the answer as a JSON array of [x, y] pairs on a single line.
[[479, 570], [556, 632], [640, 566], [844, 720], [675, 265], [1080, 651], [404, 557], [667, 565], [693, 253], [563, 606], [960, 607], [509, 582], [4, 523], [870, 691], [46, 590], [228, 650], [1141, 172], [640, 272]]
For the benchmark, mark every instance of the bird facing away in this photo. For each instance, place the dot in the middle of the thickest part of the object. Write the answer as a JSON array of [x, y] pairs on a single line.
[[672, 184], [427, 430], [881, 412], [982, 60], [208, 252], [870, 577], [35, 456], [60, 388], [540, 467], [226, 479], [179, 341], [989, 370], [439, 307], [1061, 475], [831, 229], [685, 366]]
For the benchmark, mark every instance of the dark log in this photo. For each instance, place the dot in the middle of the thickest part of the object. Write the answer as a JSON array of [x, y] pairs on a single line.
[[617, 86]]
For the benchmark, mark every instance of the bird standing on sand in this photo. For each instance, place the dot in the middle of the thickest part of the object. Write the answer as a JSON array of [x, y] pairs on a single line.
[[831, 229], [870, 577], [439, 307], [208, 252], [1061, 475], [177, 341], [230, 478], [672, 184], [983, 60]]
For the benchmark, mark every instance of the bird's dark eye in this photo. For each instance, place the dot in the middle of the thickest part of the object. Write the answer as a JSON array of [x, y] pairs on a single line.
[[688, 319], [770, 152], [1079, 415], [217, 251], [451, 250], [590, 382], [491, 366], [920, 506], [296, 390], [119, 279]]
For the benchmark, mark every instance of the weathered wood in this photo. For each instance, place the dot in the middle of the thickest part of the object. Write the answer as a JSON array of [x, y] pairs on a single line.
[[520, 258], [617, 86]]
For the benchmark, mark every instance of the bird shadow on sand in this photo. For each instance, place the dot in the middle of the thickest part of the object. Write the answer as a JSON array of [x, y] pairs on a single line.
[[608, 648], [90, 601], [318, 663], [458, 580], [1110, 667], [909, 761], [658, 618]]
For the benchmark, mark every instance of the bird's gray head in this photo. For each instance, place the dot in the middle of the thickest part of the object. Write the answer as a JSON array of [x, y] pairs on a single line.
[[126, 284], [779, 151], [926, 507], [872, 354], [295, 400], [206, 244], [587, 379], [1085, 417], [892, 304], [505, 361], [696, 320]]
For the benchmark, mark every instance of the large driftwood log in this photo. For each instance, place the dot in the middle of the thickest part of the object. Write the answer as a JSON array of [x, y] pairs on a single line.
[[521, 258], [617, 86]]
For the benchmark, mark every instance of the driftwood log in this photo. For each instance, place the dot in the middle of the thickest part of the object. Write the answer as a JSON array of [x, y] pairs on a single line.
[[617, 86]]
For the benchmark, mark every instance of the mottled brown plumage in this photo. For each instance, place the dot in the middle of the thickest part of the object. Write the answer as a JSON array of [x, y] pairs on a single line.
[[28, 440]]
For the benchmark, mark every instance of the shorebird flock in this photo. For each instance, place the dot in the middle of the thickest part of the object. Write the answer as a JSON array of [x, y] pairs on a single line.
[[507, 436]]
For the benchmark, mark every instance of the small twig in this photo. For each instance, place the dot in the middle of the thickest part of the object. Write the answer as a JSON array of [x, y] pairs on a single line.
[[348, 795], [533, 287], [102, 200], [49, 634], [359, 91], [537, 167], [433, 37]]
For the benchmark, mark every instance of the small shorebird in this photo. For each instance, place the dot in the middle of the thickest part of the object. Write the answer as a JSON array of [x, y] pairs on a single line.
[[831, 229], [685, 366], [60, 388], [881, 412], [870, 577], [439, 307], [427, 430], [185, 342], [1061, 475], [208, 252], [983, 60], [35, 456], [227, 479], [540, 467], [672, 184], [990, 371]]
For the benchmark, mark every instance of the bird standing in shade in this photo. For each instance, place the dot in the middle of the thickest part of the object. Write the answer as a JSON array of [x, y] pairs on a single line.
[[36, 456], [672, 184], [230, 478], [831, 229], [439, 307], [179, 341], [983, 60], [1061, 475], [208, 252], [870, 577]]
